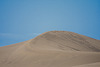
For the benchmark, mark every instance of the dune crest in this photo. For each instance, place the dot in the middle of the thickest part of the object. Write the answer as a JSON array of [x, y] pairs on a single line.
[[52, 49], [64, 40]]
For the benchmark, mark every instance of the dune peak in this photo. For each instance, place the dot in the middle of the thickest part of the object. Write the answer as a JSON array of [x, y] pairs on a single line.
[[64, 40]]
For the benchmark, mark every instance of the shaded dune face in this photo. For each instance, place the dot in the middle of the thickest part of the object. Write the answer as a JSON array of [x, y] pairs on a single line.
[[64, 40], [52, 49]]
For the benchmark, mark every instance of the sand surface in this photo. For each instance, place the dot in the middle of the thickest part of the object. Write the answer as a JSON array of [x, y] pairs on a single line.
[[53, 49]]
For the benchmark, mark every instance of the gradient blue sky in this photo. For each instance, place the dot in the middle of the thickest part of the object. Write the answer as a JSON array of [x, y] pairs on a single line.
[[22, 20]]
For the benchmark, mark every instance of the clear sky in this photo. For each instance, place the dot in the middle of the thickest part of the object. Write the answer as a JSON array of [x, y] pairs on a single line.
[[21, 20]]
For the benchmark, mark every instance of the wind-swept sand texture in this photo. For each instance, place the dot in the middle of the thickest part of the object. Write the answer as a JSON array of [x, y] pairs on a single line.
[[53, 49]]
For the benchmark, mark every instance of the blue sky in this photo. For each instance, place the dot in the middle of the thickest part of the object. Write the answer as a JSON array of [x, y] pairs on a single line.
[[21, 20]]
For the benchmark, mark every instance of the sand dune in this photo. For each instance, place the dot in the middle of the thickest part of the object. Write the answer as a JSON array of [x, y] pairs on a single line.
[[53, 49]]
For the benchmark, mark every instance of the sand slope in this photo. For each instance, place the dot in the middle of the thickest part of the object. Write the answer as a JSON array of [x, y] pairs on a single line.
[[53, 49], [97, 64]]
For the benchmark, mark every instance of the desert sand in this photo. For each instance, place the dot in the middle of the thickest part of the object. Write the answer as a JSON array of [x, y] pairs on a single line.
[[53, 49]]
